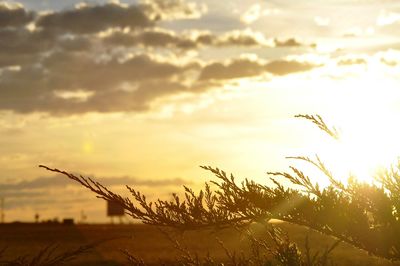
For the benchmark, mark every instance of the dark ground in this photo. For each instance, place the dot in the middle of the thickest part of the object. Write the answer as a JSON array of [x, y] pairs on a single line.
[[150, 244]]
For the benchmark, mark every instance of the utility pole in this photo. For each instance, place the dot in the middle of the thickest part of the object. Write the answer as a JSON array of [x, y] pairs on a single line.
[[2, 210]]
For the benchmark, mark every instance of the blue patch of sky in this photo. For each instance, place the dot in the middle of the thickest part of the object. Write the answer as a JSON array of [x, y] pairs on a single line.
[[39, 5]]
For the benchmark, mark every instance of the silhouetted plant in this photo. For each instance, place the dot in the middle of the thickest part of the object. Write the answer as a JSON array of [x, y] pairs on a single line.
[[48, 256], [363, 215], [272, 248]]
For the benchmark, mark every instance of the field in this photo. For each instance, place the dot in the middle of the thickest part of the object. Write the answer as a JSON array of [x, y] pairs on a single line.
[[150, 243]]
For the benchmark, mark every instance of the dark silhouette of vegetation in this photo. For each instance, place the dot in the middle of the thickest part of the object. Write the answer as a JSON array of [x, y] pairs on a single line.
[[48, 256], [272, 248], [363, 215]]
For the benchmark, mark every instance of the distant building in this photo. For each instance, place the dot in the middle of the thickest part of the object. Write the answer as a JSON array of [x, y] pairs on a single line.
[[115, 210], [68, 221]]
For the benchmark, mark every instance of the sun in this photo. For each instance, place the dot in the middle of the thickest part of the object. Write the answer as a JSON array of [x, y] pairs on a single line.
[[365, 147], [365, 150], [365, 109]]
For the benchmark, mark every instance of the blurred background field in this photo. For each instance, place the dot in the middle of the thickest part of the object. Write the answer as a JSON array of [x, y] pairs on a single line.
[[152, 245]]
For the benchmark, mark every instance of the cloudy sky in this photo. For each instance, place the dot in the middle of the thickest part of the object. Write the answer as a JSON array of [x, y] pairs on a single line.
[[143, 92]]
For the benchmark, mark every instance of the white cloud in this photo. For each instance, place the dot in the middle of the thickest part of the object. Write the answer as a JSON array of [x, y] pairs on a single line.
[[255, 12], [252, 14], [387, 18], [322, 21], [357, 32], [78, 95], [11, 5]]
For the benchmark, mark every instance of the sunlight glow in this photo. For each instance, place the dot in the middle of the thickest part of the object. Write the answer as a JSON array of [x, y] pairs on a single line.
[[369, 142], [87, 147], [363, 152]]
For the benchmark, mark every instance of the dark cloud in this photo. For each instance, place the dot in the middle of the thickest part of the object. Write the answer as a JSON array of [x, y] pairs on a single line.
[[239, 38], [247, 68], [389, 62], [291, 42], [52, 191], [22, 41], [167, 39], [151, 38], [69, 83], [287, 43], [119, 101], [65, 65], [20, 193], [128, 86], [74, 30], [76, 70], [21, 46], [75, 43], [283, 67], [173, 9], [352, 61], [92, 19], [86, 19], [14, 15], [44, 200], [235, 69], [7, 60], [59, 181]]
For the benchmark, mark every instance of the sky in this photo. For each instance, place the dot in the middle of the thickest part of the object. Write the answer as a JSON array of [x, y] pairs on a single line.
[[144, 92]]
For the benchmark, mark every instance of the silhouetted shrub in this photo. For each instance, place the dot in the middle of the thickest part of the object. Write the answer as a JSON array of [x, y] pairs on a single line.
[[363, 215]]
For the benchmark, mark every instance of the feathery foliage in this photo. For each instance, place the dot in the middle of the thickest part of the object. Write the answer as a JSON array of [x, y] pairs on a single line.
[[363, 215]]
